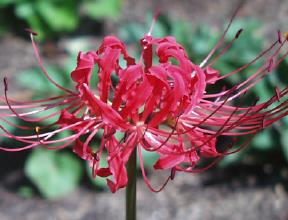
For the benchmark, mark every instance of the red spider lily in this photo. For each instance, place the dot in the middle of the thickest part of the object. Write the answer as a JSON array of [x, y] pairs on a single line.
[[162, 107]]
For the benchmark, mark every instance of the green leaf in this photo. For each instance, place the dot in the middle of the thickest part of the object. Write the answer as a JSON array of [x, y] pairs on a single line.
[[24, 10], [5, 3], [282, 73], [182, 32], [102, 8], [250, 25], [48, 17], [149, 158], [76, 44], [40, 83], [131, 33], [27, 12], [59, 17], [159, 28], [55, 174], [203, 40], [231, 159], [263, 141], [12, 120], [263, 92]]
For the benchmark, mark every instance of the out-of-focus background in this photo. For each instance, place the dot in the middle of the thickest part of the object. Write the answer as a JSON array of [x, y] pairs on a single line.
[[46, 185]]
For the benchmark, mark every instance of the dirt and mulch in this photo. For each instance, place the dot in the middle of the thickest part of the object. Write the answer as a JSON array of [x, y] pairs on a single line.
[[245, 192], [251, 193]]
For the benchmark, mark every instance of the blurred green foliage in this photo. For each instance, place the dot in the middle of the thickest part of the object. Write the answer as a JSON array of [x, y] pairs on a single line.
[[49, 18], [54, 173], [198, 41]]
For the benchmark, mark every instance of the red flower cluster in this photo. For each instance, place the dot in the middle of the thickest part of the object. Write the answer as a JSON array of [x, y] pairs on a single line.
[[159, 104]]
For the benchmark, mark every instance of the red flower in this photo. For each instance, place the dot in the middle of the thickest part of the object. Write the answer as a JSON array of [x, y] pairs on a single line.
[[162, 107]]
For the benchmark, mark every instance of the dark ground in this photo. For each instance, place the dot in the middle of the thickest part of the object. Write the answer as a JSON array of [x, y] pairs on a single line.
[[237, 194], [245, 192]]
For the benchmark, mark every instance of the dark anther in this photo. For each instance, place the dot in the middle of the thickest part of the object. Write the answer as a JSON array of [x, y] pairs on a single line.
[[5, 84], [256, 100], [173, 173], [31, 31], [238, 33], [95, 156], [279, 37]]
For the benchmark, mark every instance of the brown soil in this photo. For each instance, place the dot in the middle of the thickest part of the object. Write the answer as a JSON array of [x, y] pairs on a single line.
[[249, 193]]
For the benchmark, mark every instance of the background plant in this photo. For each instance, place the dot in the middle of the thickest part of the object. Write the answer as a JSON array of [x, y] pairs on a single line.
[[51, 18]]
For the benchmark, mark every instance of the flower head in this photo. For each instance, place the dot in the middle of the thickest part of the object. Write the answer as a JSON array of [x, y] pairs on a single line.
[[159, 104]]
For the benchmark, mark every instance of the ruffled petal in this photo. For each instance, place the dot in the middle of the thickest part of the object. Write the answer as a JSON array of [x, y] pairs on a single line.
[[211, 75], [105, 111], [83, 71], [169, 161], [83, 152]]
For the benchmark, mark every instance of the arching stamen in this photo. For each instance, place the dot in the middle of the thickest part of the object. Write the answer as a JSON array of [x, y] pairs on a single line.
[[200, 170], [270, 65], [42, 109], [221, 40], [167, 139], [223, 128], [146, 180], [209, 116], [248, 64], [259, 75], [155, 17], [40, 63], [226, 48], [243, 145]]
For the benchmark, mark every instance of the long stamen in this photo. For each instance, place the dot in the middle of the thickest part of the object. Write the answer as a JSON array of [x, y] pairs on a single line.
[[251, 62], [156, 14], [167, 138], [259, 75], [221, 40], [65, 102], [145, 177], [40, 63], [226, 48]]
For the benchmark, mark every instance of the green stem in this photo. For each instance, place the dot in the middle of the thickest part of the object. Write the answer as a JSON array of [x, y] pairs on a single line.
[[131, 187]]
